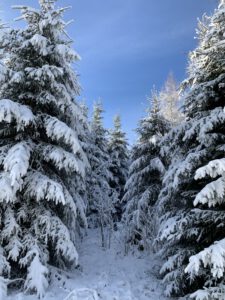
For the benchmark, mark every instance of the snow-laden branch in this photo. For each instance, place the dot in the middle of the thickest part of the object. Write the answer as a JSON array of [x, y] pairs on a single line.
[[212, 257], [41, 187], [62, 159], [213, 169], [16, 163], [11, 111], [58, 130], [212, 194]]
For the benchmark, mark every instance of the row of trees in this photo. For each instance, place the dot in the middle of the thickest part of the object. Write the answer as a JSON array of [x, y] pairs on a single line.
[[108, 157], [176, 186], [57, 170], [112, 195], [61, 172]]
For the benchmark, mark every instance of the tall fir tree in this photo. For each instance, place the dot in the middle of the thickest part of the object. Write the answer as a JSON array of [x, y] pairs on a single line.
[[144, 180], [118, 151], [86, 143], [193, 194], [100, 202], [40, 150]]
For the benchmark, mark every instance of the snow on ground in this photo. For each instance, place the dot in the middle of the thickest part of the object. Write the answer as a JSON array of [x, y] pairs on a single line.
[[105, 275]]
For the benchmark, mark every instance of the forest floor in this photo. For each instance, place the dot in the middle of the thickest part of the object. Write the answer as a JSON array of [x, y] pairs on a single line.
[[106, 275]]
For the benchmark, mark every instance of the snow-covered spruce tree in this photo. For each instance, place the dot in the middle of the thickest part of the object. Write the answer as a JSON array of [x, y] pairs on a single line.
[[144, 180], [193, 194], [39, 149], [100, 195], [118, 152], [170, 101], [171, 208], [77, 183], [85, 138]]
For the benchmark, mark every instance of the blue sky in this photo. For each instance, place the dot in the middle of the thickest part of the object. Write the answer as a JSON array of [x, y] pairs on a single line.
[[127, 46]]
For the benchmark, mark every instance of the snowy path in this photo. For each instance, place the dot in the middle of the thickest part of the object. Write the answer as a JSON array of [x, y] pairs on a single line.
[[106, 275]]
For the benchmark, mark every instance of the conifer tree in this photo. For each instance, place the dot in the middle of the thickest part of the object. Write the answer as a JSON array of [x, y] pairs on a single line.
[[39, 149], [193, 193], [118, 152], [85, 137], [144, 180], [100, 202]]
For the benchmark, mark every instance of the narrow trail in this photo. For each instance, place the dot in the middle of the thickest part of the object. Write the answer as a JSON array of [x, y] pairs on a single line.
[[106, 275]]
